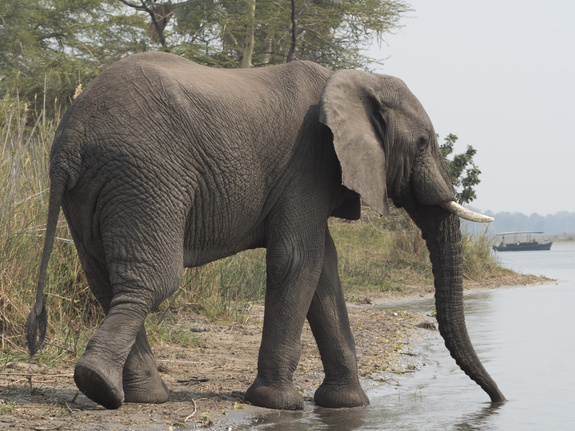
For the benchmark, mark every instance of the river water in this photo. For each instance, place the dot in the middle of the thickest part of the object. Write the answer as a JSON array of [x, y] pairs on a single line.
[[524, 337]]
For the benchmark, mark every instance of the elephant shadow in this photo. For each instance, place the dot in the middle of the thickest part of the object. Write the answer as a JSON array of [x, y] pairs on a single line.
[[76, 400], [50, 397], [192, 396]]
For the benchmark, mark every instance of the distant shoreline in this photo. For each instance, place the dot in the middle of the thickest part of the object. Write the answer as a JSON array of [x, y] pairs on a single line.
[[565, 238]]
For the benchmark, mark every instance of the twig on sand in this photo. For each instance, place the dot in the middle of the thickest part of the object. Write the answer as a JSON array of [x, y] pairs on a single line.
[[33, 375], [192, 415]]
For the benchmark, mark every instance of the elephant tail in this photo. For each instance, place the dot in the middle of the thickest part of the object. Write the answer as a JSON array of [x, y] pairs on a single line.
[[37, 318]]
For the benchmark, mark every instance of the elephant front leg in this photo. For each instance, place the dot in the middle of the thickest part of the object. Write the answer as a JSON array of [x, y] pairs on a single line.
[[329, 322], [293, 273]]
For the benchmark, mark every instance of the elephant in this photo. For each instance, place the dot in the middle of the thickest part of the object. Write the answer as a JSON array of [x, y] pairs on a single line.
[[161, 164]]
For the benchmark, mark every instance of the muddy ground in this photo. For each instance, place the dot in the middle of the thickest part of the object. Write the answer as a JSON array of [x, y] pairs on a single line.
[[207, 382]]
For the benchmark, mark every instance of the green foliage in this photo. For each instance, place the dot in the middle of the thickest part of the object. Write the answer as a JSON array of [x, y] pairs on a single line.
[[60, 44], [57, 46], [162, 329], [462, 170], [222, 33], [331, 33], [7, 407]]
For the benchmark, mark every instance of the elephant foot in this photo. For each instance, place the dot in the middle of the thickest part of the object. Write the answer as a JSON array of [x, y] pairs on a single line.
[[99, 381], [339, 395], [142, 382], [144, 386], [281, 396]]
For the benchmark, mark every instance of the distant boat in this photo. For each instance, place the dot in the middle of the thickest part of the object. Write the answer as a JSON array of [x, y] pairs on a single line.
[[517, 245]]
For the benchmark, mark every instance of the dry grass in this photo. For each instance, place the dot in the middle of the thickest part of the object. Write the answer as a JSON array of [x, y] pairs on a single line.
[[25, 139]]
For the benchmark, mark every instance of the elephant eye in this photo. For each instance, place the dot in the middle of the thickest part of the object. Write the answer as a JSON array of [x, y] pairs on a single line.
[[422, 144], [380, 122]]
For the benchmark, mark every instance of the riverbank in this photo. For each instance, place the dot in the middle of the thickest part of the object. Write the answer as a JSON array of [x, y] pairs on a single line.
[[208, 379]]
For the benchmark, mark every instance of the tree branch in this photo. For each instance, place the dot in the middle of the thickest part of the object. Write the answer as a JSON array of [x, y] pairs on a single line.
[[135, 6], [159, 29], [294, 28]]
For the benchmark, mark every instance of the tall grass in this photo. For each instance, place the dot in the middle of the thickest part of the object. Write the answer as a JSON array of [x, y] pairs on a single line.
[[375, 254], [25, 139], [380, 254], [225, 288], [479, 263]]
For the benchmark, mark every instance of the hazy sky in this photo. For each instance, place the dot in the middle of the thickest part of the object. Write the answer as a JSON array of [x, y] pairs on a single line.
[[500, 74]]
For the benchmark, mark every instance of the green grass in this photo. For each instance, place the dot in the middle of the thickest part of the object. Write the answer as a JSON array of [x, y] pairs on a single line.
[[375, 254], [478, 261], [7, 407], [162, 331], [225, 288], [380, 254]]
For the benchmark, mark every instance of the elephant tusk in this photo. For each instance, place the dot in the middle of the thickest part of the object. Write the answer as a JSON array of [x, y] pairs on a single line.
[[456, 209]]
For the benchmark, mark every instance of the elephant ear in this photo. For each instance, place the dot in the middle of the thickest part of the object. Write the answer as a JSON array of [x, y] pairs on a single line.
[[346, 107]]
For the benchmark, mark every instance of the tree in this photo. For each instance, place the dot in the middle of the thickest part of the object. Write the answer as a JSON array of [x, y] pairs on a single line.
[[59, 45], [234, 33], [64, 43], [462, 170]]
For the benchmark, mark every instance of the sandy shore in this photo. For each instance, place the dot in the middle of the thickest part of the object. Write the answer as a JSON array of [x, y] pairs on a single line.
[[208, 381]]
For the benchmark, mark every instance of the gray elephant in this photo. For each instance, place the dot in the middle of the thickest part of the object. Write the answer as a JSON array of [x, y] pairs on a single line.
[[162, 164]]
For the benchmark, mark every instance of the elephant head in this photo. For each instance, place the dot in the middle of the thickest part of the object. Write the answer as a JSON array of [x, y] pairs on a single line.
[[386, 145]]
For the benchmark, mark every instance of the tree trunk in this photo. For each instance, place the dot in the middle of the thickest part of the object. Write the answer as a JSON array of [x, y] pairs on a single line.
[[291, 53], [250, 29], [267, 54]]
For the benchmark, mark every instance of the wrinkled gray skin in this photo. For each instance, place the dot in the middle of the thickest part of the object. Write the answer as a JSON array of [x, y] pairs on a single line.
[[161, 163]]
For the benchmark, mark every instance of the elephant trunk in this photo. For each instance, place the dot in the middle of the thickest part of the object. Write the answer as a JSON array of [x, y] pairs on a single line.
[[443, 237]]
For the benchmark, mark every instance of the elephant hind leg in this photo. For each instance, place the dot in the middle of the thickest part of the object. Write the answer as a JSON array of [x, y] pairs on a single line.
[[142, 382], [98, 373], [96, 385], [117, 365]]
